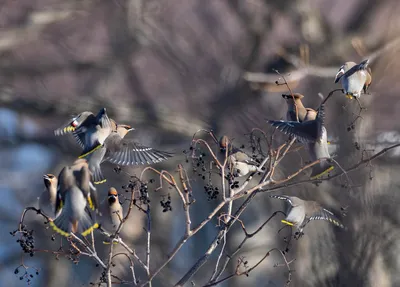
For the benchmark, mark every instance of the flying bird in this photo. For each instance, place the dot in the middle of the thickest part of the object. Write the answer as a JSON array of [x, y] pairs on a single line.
[[118, 150], [72, 203], [89, 130], [313, 134], [300, 212]]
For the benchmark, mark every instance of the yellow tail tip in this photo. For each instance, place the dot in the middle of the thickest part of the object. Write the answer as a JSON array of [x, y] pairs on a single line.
[[100, 182], [108, 242], [68, 129], [58, 230], [86, 232], [91, 205], [286, 222], [322, 173], [89, 152]]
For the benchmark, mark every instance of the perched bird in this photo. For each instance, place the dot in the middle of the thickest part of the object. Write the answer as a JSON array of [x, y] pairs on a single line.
[[313, 134], [72, 202], [355, 78], [300, 212], [90, 131], [47, 200], [241, 163], [294, 102], [112, 212]]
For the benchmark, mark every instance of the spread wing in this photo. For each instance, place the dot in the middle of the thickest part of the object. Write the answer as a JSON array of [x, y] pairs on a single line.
[[282, 197], [362, 66], [128, 152], [324, 214], [306, 132]]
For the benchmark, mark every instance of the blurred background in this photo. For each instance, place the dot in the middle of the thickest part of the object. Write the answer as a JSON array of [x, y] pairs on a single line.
[[171, 67]]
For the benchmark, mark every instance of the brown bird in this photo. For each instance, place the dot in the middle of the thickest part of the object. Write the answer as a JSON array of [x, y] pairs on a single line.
[[354, 78], [47, 200], [294, 102], [300, 212]]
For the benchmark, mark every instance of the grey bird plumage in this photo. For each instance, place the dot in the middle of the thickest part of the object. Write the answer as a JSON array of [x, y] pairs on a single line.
[[90, 131], [72, 203], [300, 212], [242, 164], [47, 200], [354, 78], [313, 134]]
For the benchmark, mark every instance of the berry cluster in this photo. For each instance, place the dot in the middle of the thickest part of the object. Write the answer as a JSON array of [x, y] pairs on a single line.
[[166, 203], [26, 275], [211, 191], [26, 240]]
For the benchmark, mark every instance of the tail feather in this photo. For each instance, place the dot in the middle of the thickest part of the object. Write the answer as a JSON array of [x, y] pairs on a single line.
[[98, 176], [63, 225], [86, 224]]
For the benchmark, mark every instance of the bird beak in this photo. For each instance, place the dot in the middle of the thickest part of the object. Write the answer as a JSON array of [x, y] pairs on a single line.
[[46, 177], [131, 129], [339, 75], [286, 222]]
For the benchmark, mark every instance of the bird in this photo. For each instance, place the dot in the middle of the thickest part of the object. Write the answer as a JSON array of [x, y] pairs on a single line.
[[300, 212], [47, 200], [310, 130], [112, 212], [118, 150], [354, 78], [313, 134], [89, 130], [241, 163], [294, 102], [81, 171], [97, 157], [72, 203]]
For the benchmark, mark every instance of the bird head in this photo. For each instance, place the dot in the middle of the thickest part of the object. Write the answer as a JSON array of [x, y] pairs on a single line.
[[290, 97], [223, 143], [122, 130], [49, 180], [112, 195]]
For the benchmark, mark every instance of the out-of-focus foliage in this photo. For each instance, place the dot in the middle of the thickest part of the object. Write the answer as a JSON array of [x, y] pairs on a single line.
[[171, 67]]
